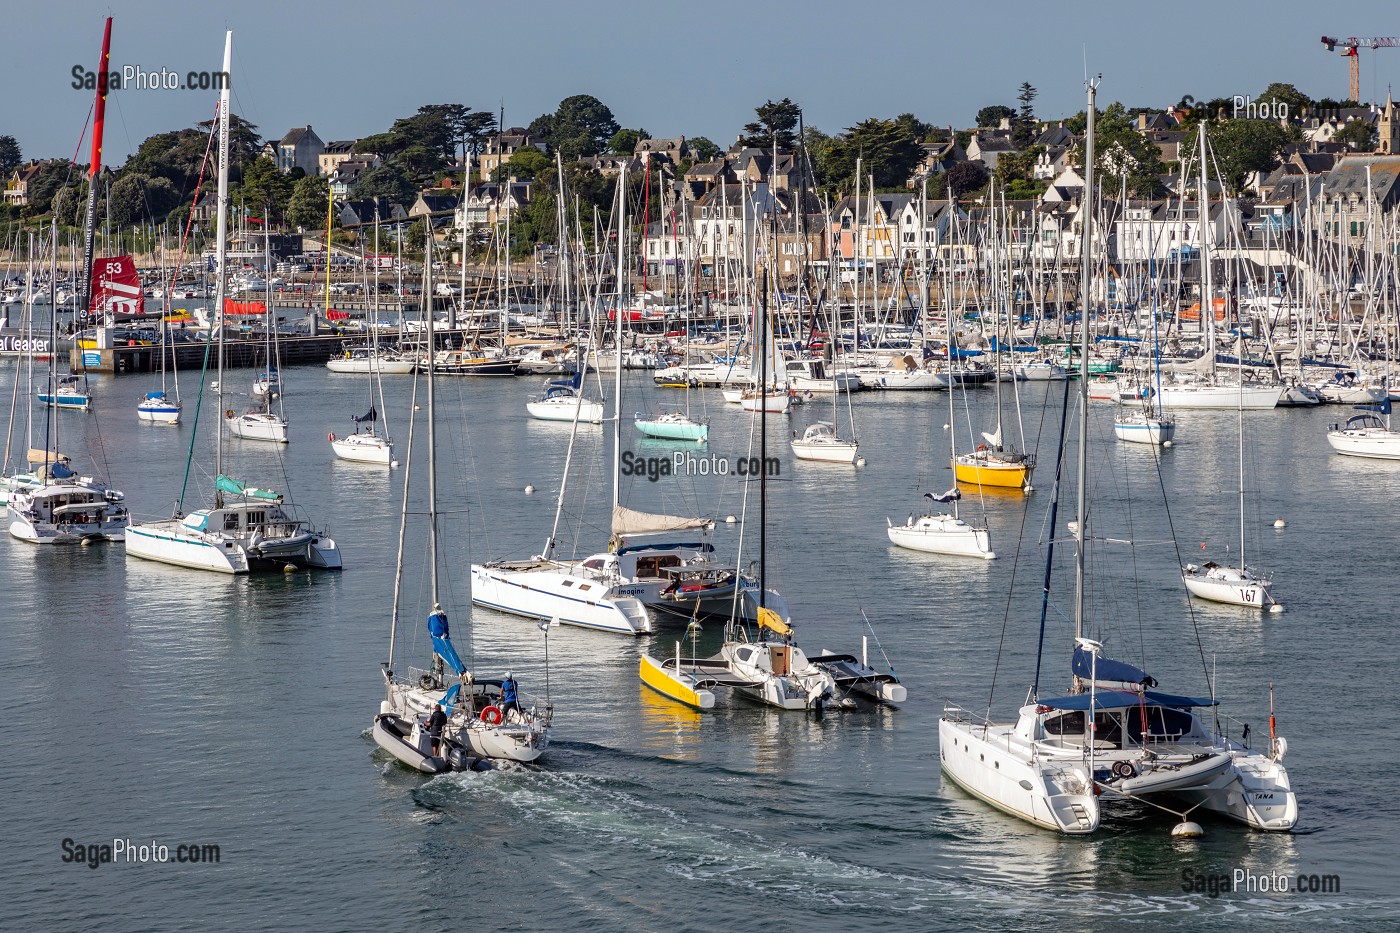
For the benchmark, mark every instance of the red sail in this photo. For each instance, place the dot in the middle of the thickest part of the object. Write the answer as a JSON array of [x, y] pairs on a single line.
[[116, 289], [232, 307]]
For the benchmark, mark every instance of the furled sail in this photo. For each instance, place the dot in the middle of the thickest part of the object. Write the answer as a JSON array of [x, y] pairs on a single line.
[[1086, 667], [235, 488], [951, 495], [627, 521]]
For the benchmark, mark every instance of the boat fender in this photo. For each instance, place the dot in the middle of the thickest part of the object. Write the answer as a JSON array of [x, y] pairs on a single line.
[[230, 413], [331, 437], [1125, 770], [491, 715]]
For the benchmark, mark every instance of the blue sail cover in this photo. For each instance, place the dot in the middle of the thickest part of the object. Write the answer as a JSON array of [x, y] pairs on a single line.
[[573, 382], [371, 416], [450, 698], [1383, 407], [442, 642], [1108, 669]]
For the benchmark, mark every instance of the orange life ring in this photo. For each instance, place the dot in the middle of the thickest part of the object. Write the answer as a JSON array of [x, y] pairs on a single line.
[[981, 448], [331, 437], [491, 715], [230, 413]]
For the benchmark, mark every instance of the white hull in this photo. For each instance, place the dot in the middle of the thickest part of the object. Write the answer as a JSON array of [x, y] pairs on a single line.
[[1142, 430], [770, 404], [38, 532], [365, 366], [363, 448], [171, 542], [161, 414], [1376, 443], [839, 452], [1251, 398], [547, 590], [980, 760], [587, 412], [1228, 585], [943, 534], [259, 427]]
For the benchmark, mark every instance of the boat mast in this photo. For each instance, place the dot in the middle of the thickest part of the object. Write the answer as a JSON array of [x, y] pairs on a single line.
[[432, 439], [617, 344], [89, 225], [220, 254], [1086, 254], [1208, 287]]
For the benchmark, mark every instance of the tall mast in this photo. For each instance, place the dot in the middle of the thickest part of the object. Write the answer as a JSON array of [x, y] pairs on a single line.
[[1208, 288], [220, 254], [94, 167], [1086, 255], [617, 345], [432, 417]]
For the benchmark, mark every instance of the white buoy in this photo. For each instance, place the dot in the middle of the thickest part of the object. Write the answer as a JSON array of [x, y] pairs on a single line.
[[529, 490], [1189, 830], [393, 464], [417, 407], [86, 542], [1276, 607], [730, 519], [860, 461], [289, 568], [947, 427], [1166, 443], [1280, 523]]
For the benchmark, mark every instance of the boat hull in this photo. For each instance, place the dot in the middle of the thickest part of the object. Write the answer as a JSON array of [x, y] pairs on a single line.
[[943, 534], [170, 543], [363, 448], [543, 590], [672, 431], [589, 412], [679, 687], [1145, 430], [158, 414], [1251, 593], [1372, 443], [981, 471], [825, 453], [256, 427]]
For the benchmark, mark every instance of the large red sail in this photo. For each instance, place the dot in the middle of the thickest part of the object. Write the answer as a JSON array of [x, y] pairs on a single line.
[[116, 289], [95, 165]]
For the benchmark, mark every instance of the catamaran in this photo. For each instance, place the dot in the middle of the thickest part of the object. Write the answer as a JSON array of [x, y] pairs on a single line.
[[247, 527], [1113, 735]]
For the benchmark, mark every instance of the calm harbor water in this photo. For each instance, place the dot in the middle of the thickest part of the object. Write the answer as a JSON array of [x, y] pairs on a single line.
[[151, 703]]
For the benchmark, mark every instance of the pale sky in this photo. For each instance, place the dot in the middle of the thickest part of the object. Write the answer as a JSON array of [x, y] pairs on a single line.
[[350, 68]]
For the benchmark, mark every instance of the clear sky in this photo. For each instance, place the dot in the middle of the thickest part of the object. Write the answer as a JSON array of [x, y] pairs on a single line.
[[350, 68]]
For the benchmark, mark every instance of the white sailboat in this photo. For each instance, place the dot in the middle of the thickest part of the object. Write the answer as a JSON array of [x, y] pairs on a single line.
[[1366, 435], [264, 421], [247, 527], [482, 718], [1113, 735], [366, 444]]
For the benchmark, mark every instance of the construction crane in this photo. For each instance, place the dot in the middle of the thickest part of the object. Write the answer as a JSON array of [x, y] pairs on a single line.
[[1349, 47]]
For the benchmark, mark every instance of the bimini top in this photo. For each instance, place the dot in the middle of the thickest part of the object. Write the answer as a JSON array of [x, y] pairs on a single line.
[[1115, 699]]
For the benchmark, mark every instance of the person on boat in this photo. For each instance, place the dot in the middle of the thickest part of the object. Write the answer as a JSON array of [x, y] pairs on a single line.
[[510, 695], [435, 724]]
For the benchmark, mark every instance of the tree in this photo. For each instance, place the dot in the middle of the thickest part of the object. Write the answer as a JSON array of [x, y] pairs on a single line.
[[526, 164], [886, 149], [1241, 147], [385, 182], [703, 149], [265, 188], [307, 207], [1357, 135], [624, 141], [991, 117], [776, 124], [1298, 103], [1015, 172], [965, 177], [10, 155], [581, 126], [917, 128], [244, 144], [1120, 150], [1023, 128], [67, 207], [477, 127]]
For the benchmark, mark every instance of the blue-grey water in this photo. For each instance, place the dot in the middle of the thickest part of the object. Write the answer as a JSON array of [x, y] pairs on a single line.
[[149, 703]]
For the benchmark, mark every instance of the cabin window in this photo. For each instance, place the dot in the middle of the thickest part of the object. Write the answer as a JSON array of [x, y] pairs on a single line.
[[1162, 724], [568, 582], [594, 563], [745, 653], [230, 521], [1065, 724]]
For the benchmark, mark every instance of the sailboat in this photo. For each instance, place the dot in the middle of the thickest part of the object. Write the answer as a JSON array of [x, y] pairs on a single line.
[[483, 720], [366, 444], [563, 400], [262, 422], [673, 426], [1148, 424], [158, 407], [1114, 734], [770, 667], [247, 527], [1366, 435]]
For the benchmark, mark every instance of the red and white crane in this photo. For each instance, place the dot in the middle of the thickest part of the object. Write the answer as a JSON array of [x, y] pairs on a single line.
[[1349, 47]]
